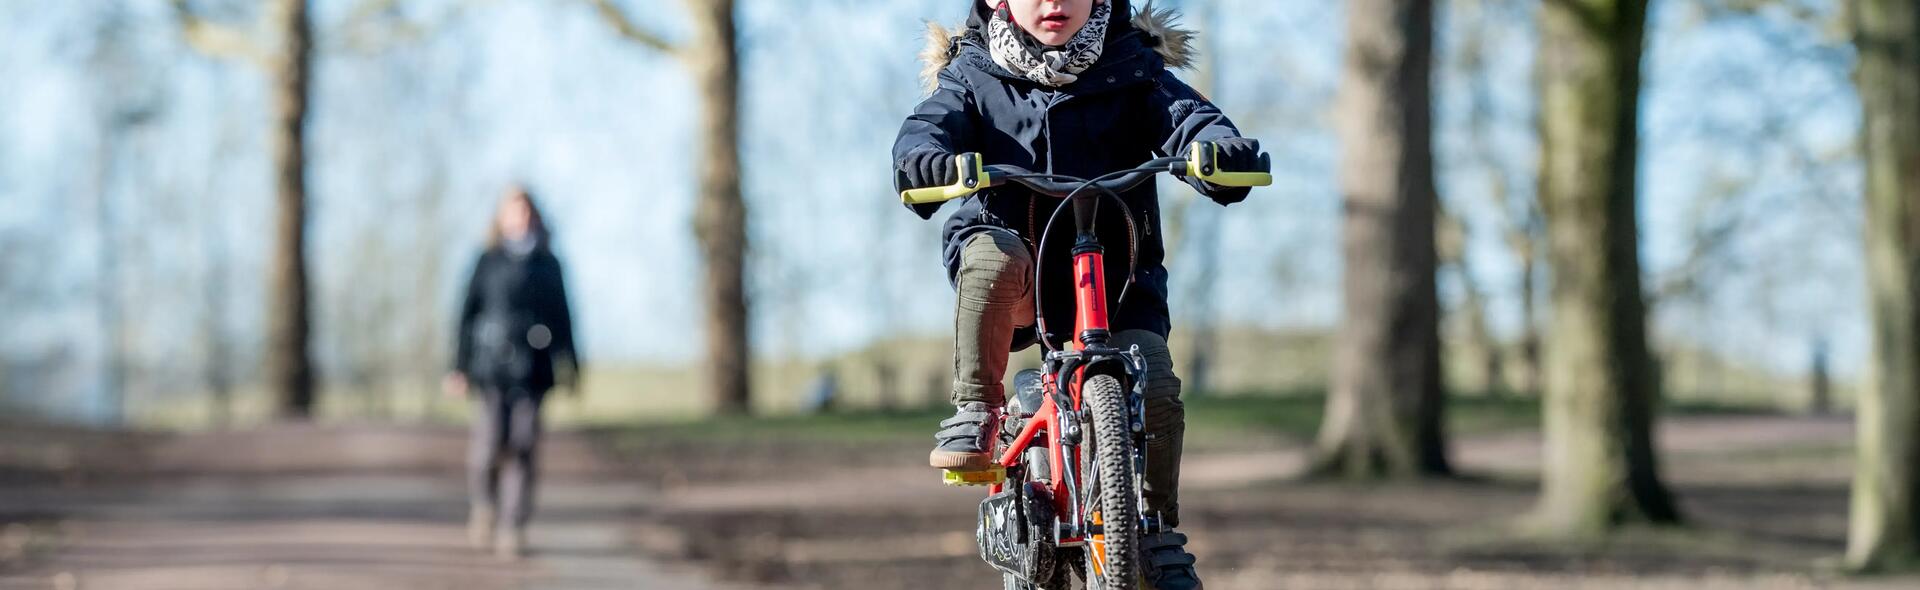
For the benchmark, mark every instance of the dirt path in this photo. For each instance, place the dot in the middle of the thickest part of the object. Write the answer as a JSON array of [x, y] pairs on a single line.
[[1766, 495], [1519, 452], [382, 507], [903, 480], [306, 507]]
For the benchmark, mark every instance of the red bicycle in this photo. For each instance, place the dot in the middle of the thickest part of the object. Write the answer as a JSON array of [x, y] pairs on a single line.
[[1078, 497]]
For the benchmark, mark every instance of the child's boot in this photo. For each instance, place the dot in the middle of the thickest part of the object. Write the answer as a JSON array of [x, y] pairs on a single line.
[[1169, 565], [963, 443]]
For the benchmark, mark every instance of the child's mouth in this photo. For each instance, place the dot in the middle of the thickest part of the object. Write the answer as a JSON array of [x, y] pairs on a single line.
[[1054, 21]]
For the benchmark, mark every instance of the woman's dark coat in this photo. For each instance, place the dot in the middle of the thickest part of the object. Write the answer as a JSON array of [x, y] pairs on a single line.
[[1126, 109], [515, 325]]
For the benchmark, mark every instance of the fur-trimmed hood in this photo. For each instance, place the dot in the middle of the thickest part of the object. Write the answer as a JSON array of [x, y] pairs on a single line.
[[1160, 28]]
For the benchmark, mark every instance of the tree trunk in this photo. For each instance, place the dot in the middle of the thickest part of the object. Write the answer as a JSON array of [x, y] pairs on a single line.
[[117, 117], [1530, 380], [108, 299], [720, 217], [213, 336], [1601, 383], [886, 380], [1885, 529], [1473, 314], [1384, 417], [1205, 344], [289, 365]]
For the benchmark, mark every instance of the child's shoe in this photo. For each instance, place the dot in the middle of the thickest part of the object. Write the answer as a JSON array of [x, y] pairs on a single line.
[[1169, 566], [963, 443]]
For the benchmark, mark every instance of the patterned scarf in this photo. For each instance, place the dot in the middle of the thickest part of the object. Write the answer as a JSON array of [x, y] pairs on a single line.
[[1017, 51]]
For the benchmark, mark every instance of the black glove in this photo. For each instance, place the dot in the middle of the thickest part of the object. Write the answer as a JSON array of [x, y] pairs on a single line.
[[928, 168], [1232, 154], [1238, 154]]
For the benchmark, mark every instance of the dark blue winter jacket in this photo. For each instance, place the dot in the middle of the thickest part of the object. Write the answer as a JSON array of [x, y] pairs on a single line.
[[1125, 110]]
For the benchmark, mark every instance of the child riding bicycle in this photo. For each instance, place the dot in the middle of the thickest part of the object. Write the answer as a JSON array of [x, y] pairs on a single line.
[[1072, 87]]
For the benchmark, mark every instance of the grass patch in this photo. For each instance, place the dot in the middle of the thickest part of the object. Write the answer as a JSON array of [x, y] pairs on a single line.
[[1708, 407], [1210, 419], [1297, 416], [848, 426], [1293, 416]]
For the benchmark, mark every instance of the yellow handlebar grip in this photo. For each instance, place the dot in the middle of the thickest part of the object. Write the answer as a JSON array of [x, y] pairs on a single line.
[[1201, 164], [1239, 179], [933, 194], [973, 177]]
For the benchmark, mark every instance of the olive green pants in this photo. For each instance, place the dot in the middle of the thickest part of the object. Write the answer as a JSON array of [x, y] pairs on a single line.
[[995, 284]]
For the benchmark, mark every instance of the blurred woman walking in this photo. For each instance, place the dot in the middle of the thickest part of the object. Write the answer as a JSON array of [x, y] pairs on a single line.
[[515, 332]]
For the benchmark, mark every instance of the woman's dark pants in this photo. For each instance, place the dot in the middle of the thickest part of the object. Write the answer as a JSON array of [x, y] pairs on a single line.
[[501, 454]]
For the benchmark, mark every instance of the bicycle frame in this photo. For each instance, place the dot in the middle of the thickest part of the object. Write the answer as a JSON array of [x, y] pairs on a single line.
[[1088, 351], [1060, 413]]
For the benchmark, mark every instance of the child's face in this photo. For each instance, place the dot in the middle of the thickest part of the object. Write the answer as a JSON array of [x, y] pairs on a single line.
[[1053, 22]]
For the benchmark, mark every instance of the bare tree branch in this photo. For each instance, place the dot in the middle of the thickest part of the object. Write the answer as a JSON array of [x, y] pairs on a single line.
[[369, 30], [627, 28], [218, 40], [376, 26], [1800, 11]]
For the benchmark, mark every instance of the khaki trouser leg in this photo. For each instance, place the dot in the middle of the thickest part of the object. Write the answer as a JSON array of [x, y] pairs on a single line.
[[995, 295]]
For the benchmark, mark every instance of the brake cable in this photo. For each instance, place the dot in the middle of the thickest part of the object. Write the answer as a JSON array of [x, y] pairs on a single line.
[[1133, 243]]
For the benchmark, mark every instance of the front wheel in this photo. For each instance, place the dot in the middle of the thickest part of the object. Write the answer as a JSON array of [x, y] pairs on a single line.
[[1118, 496]]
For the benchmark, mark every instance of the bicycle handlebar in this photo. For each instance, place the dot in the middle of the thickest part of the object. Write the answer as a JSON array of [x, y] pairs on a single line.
[[1200, 163]]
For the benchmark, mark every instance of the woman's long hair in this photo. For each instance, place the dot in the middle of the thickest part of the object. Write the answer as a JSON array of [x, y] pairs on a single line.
[[536, 222]]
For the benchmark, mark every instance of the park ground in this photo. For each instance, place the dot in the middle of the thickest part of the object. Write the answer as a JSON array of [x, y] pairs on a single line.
[[843, 501]]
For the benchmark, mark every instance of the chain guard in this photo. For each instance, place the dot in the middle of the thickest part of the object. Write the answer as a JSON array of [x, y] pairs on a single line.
[[1015, 532]]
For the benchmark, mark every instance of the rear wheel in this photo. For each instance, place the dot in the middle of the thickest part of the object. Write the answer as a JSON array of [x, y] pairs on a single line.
[[1117, 494]]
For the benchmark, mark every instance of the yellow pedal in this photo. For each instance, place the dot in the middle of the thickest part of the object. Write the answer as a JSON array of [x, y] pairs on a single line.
[[987, 477]]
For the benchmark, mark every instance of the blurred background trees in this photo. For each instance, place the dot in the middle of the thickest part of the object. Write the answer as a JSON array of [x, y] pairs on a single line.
[[720, 216], [1385, 406], [219, 212], [422, 108], [1886, 491], [287, 56], [1602, 383], [419, 111]]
